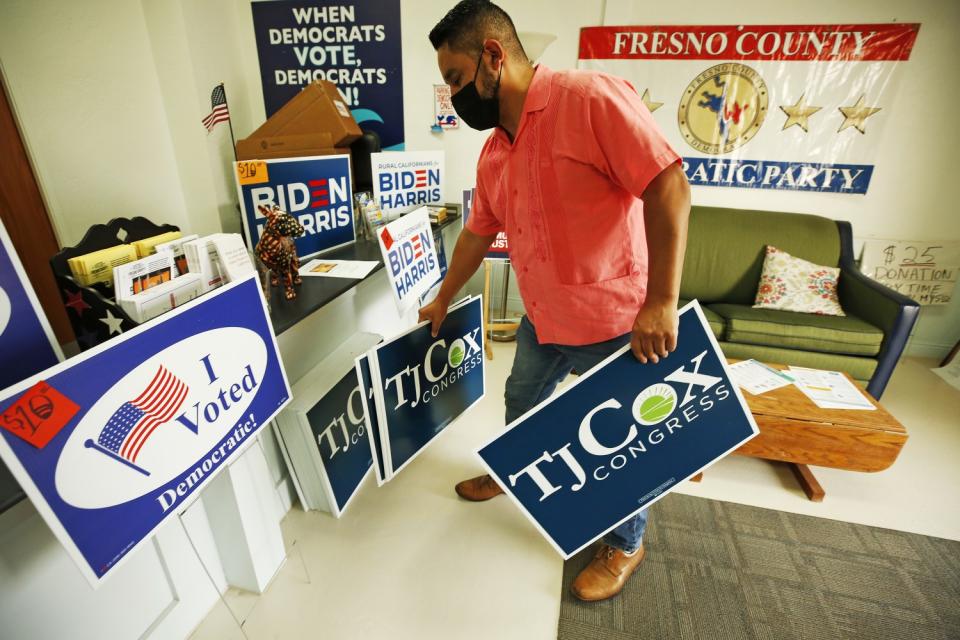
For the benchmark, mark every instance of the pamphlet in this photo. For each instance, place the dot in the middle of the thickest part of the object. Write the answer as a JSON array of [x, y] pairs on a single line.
[[355, 269], [147, 246], [159, 299], [202, 259], [98, 266], [235, 263], [175, 248], [756, 378], [829, 389], [133, 277]]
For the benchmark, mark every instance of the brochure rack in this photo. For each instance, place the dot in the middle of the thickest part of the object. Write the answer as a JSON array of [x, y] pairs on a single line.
[[93, 314]]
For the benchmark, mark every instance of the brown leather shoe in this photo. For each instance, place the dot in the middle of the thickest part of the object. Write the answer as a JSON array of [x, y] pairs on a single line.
[[478, 489], [606, 574]]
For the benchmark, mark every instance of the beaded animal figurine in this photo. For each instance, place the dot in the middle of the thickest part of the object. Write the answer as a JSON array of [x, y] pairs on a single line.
[[277, 251]]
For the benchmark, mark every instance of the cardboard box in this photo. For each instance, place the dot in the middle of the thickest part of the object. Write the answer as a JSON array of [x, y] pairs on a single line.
[[318, 108], [288, 146]]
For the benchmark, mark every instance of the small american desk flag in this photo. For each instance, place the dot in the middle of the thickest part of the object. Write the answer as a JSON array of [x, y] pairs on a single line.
[[218, 103]]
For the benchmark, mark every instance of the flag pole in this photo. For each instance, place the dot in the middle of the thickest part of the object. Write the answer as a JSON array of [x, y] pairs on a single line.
[[233, 140]]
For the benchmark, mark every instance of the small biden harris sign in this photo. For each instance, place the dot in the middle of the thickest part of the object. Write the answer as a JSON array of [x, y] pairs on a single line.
[[135, 427], [623, 436]]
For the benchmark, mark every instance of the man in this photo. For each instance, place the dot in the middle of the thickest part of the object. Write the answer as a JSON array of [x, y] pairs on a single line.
[[586, 187]]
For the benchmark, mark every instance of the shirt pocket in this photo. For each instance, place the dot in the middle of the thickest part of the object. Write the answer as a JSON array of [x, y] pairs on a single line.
[[586, 223]]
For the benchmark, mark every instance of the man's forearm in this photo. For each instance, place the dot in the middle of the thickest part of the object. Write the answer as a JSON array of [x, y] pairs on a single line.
[[467, 257], [666, 210]]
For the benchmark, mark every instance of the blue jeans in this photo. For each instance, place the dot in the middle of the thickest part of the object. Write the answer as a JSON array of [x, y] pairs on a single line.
[[537, 369]]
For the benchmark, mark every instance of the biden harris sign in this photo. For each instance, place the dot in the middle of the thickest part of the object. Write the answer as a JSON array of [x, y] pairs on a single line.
[[314, 190], [135, 427], [626, 433]]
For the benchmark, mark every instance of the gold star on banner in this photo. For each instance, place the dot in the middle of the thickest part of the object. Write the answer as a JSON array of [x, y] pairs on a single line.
[[798, 114], [854, 116], [651, 105], [113, 323]]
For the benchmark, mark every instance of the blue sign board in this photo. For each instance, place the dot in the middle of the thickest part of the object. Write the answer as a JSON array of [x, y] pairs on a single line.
[[371, 422], [499, 248], [423, 383], [354, 45], [26, 341], [340, 433], [774, 174], [316, 191], [626, 433], [133, 428]]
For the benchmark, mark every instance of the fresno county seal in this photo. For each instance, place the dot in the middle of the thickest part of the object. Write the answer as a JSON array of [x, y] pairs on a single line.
[[722, 108]]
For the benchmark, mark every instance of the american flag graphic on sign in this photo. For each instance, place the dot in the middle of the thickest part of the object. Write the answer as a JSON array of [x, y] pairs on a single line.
[[421, 178], [218, 104], [417, 247], [319, 192], [130, 426]]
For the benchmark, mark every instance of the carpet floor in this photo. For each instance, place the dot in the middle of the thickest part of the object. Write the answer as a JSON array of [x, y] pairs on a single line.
[[729, 571]]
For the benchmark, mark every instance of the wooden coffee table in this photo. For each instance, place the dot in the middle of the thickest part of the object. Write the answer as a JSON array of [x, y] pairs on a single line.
[[795, 430]]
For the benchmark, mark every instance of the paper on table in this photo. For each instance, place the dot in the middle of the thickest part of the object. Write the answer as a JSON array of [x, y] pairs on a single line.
[[756, 378], [829, 389], [356, 269]]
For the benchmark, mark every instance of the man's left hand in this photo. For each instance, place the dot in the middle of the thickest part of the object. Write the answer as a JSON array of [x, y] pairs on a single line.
[[654, 332]]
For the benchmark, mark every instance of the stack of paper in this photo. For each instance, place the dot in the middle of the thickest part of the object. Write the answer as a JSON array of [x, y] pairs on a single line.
[[202, 259], [161, 298], [829, 389], [175, 249], [355, 269], [756, 378], [133, 277], [147, 246], [98, 266]]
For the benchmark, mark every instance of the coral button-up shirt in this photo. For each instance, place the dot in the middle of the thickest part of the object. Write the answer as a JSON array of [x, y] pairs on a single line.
[[567, 192]]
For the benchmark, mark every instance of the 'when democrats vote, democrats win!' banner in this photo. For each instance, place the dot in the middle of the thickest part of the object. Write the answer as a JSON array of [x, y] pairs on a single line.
[[316, 191], [404, 181], [796, 107], [623, 435], [136, 426], [422, 384], [410, 255]]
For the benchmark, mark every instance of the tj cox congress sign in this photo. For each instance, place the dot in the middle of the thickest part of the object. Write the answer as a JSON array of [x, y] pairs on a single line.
[[314, 190], [626, 433], [749, 106], [111, 443]]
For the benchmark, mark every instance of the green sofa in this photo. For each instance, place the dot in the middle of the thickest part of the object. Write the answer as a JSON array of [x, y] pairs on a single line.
[[724, 258]]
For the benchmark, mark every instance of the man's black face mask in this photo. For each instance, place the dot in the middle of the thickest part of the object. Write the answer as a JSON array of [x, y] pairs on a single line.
[[479, 113]]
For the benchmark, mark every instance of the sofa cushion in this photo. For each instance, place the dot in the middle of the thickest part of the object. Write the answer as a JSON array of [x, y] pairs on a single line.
[[794, 284], [725, 249], [717, 324], [807, 331]]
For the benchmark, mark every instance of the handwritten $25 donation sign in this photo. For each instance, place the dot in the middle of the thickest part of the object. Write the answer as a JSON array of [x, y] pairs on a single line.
[[137, 425], [621, 437], [421, 384]]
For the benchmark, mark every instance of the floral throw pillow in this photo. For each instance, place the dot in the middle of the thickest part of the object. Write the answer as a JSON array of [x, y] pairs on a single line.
[[793, 284]]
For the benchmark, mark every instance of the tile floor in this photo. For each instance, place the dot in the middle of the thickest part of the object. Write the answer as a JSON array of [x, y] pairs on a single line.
[[411, 560]]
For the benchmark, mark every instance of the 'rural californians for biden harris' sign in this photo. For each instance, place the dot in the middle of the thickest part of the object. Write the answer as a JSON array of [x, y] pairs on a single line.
[[625, 434], [140, 423], [410, 254], [314, 190]]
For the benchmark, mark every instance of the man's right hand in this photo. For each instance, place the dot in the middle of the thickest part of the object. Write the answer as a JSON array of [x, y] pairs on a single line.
[[435, 312]]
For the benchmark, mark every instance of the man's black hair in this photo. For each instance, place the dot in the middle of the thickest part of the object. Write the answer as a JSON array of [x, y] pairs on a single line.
[[470, 22]]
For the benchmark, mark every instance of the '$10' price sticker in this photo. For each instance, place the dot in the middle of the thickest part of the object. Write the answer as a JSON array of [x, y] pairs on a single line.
[[39, 414]]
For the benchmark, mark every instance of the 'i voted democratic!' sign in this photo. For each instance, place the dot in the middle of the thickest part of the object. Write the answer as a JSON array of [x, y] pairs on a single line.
[[403, 181], [315, 190], [626, 433], [422, 384], [135, 427], [410, 255]]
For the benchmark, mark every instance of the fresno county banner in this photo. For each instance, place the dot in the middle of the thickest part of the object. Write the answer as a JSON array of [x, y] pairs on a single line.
[[422, 384], [404, 181], [315, 190], [354, 45], [621, 437], [132, 429], [794, 107]]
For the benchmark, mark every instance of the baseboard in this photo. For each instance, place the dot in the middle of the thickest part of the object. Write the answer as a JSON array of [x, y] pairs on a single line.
[[919, 349]]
